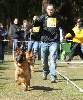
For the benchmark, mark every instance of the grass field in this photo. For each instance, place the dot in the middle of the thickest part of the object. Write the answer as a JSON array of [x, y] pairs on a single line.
[[41, 89]]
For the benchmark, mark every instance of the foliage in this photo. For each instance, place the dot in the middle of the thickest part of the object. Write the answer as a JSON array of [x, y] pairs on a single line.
[[24, 9]]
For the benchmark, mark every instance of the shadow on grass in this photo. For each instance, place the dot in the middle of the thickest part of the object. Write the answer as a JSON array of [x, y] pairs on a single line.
[[43, 88], [9, 60], [2, 85], [38, 71], [36, 64], [3, 68], [62, 65], [3, 63], [61, 80], [76, 79], [5, 78]]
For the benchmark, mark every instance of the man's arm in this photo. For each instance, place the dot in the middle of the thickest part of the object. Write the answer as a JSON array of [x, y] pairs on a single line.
[[64, 25]]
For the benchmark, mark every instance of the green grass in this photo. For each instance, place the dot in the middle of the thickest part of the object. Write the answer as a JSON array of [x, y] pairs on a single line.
[[41, 89]]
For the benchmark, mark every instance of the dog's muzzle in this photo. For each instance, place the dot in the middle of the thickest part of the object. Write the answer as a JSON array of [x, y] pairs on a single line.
[[19, 59]]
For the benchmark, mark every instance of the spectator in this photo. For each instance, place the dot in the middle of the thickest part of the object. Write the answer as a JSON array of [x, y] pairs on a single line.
[[25, 32], [77, 40], [62, 36], [15, 35], [3, 35], [50, 38], [34, 41]]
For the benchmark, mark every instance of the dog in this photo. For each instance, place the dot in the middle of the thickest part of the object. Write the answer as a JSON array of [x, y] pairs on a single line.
[[23, 71], [30, 59]]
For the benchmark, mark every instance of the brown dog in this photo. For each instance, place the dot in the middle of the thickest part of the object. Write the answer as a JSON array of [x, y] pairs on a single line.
[[30, 59], [22, 72]]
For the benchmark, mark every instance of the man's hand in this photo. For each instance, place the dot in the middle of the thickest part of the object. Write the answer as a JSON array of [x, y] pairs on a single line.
[[30, 30], [35, 18]]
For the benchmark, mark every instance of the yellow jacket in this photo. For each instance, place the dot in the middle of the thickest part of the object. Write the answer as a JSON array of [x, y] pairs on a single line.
[[78, 38]]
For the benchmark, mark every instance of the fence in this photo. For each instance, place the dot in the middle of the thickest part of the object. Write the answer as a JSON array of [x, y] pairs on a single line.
[[64, 49]]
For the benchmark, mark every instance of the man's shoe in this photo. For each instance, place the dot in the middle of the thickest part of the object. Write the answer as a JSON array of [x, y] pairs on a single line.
[[44, 76], [53, 80], [67, 61]]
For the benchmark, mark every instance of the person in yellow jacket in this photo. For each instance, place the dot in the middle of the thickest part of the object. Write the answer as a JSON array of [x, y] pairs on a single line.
[[77, 40]]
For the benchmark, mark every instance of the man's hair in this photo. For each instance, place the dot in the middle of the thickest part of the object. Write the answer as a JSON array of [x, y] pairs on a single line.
[[51, 5], [25, 21]]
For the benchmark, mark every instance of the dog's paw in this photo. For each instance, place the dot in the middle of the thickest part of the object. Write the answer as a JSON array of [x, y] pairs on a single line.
[[18, 82], [32, 69], [25, 89]]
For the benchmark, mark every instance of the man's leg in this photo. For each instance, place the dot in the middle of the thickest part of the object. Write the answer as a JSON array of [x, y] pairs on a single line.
[[39, 51], [14, 46], [53, 49], [35, 48], [30, 45], [44, 58], [73, 51]]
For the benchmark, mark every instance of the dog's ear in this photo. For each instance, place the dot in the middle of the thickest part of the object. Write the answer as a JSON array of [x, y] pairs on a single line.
[[16, 48], [23, 49], [32, 53]]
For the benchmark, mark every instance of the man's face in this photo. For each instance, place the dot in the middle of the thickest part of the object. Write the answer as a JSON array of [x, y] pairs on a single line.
[[25, 24], [79, 24], [16, 21], [50, 10]]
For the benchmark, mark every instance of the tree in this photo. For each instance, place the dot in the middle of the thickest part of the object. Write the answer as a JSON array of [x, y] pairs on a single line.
[[24, 9]]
